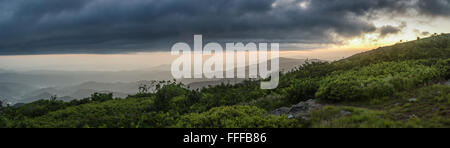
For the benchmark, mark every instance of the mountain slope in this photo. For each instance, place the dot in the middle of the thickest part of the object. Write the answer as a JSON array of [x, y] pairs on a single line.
[[428, 48]]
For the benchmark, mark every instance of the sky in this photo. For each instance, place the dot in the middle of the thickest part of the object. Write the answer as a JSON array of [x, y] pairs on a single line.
[[40, 33]]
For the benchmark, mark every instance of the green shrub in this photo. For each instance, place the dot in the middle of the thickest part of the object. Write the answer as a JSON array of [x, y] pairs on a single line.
[[444, 66], [301, 90], [101, 97], [312, 70], [235, 117], [36, 109], [375, 81], [157, 120], [113, 114], [228, 95], [3, 122], [165, 95]]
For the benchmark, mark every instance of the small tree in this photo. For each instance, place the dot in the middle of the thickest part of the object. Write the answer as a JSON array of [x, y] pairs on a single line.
[[166, 93], [2, 106], [53, 97], [154, 86], [143, 89]]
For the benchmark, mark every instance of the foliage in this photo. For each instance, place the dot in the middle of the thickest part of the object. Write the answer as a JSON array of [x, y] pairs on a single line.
[[312, 70], [2, 107], [444, 66], [157, 120], [36, 109], [170, 95], [3, 122], [235, 117], [301, 90], [375, 81], [99, 97], [113, 114], [228, 95], [430, 48]]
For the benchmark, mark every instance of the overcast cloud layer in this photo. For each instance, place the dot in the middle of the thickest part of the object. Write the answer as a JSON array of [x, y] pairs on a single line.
[[117, 26]]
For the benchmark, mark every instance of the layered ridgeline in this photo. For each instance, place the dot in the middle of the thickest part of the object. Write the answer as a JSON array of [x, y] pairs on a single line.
[[404, 85]]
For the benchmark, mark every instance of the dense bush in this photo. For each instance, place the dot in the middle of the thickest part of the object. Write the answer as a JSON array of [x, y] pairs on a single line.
[[157, 120], [36, 109], [235, 117], [228, 95], [113, 114], [3, 122], [378, 80], [444, 66], [165, 95], [100, 97], [301, 90], [312, 70]]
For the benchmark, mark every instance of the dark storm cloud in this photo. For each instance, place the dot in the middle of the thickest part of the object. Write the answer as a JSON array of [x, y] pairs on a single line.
[[421, 33], [434, 7], [388, 29], [114, 26]]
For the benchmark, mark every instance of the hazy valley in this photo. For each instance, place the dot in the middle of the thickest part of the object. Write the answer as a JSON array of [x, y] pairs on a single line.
[[26, 87]]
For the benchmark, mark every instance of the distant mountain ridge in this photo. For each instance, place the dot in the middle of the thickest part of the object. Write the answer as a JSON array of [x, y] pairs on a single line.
[[118, 84]]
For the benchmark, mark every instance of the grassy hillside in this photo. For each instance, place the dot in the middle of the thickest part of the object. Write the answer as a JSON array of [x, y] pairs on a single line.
[[436, 47], [398, 86]]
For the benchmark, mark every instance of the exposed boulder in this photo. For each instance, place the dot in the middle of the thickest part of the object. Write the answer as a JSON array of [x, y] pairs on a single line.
[[280, 111], [448, 83], [412, 100], [345, 113], [302, 110]]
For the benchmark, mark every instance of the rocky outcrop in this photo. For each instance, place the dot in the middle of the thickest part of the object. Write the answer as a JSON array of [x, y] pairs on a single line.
[[345, 113], [301, 110], [280, 111], [448, 83], [412, 100]]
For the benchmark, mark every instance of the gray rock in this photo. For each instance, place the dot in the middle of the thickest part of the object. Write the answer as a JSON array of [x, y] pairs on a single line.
[[412, 100], [280, 111], [344, 113], [447, 83], [302, 109], [291, 116]]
